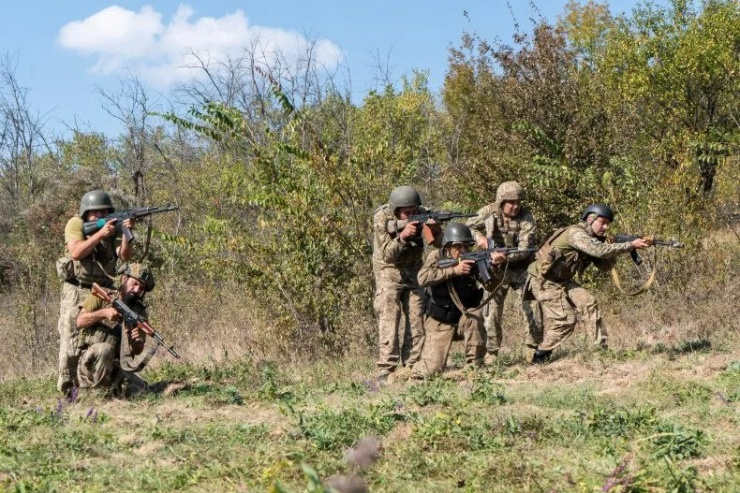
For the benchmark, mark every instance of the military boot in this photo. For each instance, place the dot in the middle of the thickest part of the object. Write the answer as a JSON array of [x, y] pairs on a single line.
[[541, 357]]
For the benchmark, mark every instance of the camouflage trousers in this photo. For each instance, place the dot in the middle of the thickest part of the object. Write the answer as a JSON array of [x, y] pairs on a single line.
[[515, 280], [69, 308], [96, 368], [563, 304], [400, 312], [438, 340]]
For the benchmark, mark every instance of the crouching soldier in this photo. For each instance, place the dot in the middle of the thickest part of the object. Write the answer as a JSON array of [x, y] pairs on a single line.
[[108, 346], [569, 251], [454, 310]]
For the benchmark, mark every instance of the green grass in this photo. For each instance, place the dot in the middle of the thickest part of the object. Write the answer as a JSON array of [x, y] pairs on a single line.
[[510, 427]]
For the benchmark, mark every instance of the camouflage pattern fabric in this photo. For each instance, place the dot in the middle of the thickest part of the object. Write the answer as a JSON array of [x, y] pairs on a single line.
[[514, 280], [399, 301], [439, 335], [563, 301], [516, 232], [438, 340], [69, 308], [96, 367], [87, 270]]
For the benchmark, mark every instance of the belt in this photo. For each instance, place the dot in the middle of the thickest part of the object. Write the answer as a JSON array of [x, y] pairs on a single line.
[[85, 285]]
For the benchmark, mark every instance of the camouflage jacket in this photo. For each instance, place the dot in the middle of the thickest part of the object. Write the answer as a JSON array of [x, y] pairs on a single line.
[[511, 233], [389, 250], [570, 250]]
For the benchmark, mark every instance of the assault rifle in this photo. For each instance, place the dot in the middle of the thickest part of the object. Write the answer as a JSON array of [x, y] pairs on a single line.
[[395, 226], [93, 227], [482, 259], [132, 318], [652, 240]]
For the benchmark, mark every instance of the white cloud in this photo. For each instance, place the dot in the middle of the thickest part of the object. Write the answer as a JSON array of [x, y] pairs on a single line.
[[123, 40]]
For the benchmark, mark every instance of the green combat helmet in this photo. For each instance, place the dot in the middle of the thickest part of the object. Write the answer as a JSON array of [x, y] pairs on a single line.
[[404, 196], [95, 201], [601, 210], [509, 190], [457, 233], [140, 272]]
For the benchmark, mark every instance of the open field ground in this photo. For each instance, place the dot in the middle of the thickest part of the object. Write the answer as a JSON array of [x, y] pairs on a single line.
[[665, 418]]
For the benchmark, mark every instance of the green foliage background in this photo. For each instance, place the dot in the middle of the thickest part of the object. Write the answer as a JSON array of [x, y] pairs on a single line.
[[276, 188]]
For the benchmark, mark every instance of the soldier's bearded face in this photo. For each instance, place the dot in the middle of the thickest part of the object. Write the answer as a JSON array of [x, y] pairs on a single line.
[[132, 289]]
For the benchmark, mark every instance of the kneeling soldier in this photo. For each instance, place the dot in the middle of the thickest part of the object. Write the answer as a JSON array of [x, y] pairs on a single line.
[[454, 310], [106, 341]]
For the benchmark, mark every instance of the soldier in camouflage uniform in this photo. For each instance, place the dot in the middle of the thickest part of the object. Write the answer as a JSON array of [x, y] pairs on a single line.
[[509, 225], [399, 301], [454, 310], [87, 260], [104, 344], [568, 252]]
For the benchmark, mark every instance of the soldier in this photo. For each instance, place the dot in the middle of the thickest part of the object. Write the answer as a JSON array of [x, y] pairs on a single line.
[[87, 260], [105, 346], [399, 301], [567, 252], [508, 224], [454, 310]]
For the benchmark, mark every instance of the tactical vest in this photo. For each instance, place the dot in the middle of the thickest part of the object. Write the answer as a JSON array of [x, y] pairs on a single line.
[[558, 260], [99, 265], [440, 305], [505, 232]]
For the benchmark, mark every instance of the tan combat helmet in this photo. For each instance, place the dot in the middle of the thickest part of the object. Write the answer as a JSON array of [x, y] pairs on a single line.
[[140, 272], [509, 190]]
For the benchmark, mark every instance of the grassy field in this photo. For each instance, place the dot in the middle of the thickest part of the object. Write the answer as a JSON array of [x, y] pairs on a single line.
[[665, 418]]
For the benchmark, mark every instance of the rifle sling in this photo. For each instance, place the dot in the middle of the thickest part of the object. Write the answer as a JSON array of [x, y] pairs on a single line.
[[641, 289], [458, 303]]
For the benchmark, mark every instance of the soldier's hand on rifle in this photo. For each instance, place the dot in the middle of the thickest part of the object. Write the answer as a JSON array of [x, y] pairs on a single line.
[[482, 242], [112, 314], [129, 223], [465, 267], [434, 226], [411, 231], [641, 243], [498, 258], [137, 335], [109, 229]]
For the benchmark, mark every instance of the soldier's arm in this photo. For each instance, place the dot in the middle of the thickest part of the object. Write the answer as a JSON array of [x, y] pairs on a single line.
[[594, 248], [431, 274], [477, 224], [90, 316], [391, 247]]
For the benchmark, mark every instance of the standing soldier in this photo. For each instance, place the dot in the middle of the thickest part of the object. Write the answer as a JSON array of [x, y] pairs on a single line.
[[454, 310], [568, 252], [106, 343], [399, 301], [87, 259], [507, 224]]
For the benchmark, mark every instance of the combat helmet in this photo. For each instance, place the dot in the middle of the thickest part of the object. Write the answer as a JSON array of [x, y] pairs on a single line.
[[601, 210], [509, 190], [140, 272], [95, 201], [404, 196], [457, 233]]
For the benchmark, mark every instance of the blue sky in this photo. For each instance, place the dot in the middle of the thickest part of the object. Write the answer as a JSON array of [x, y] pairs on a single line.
[[65, 49]]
